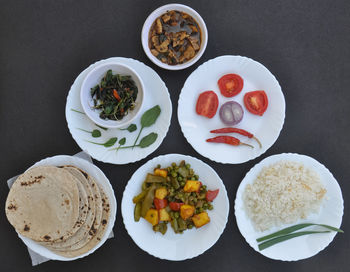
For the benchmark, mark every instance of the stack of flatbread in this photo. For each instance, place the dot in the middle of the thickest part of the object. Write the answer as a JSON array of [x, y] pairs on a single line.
[[61, 208]]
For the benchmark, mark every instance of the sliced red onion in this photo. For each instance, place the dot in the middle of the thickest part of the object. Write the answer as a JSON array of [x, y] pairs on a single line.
[[231, 113]]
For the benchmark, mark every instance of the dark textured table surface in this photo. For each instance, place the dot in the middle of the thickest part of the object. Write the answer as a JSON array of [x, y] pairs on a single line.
[[45, 44]]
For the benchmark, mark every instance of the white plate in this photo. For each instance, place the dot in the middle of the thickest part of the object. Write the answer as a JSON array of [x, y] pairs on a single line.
[[302, 247], [157, 94], [101, 179], [171, 246], [196, 128]]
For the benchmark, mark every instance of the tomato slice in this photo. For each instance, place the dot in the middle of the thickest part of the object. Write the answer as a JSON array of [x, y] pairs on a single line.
[[160, 203], [175, 206], [207, 104], [256, 102], [211, 195], [230, 85]]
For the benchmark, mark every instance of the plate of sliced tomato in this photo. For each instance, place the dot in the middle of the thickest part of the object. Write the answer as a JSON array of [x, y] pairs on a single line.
[[231, 109]]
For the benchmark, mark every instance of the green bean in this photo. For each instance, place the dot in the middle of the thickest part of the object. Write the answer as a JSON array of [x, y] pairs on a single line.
[[175, 183], [137, 211], [139, 197], [182, 224], [154, 179], [148, 200], [175, 225]]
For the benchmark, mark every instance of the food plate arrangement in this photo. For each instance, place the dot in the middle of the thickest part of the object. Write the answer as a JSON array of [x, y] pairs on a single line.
[[171, 245], [103, 144], [109, 208], [196, 128], [329, 213]]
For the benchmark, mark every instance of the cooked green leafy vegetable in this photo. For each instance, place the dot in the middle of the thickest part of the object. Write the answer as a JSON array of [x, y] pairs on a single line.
[[115, 96]]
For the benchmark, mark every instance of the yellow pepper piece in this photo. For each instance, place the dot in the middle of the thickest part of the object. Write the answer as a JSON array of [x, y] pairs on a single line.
[[200, 219], [192, 186], [186, 211], [152, 216], [161, 193]]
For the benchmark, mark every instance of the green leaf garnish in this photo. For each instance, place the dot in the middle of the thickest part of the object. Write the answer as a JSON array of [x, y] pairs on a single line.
[[95, 133], [122, 141], [109, 143], [148, 140], [130, 128]]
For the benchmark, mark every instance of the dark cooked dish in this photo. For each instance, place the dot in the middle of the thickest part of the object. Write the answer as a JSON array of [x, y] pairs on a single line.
[[115, 96], [174, 37]]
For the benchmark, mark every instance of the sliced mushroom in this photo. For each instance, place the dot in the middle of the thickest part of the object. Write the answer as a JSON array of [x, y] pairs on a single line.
[[194, 43], [154, 52], [163, 47], [166, 17], [193, 28], [155, 40], [159, 27], [189, 53]]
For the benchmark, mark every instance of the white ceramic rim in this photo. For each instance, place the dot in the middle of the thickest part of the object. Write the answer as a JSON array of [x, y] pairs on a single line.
[[247, 179], [221, 159], [110, 123], [41, 250], [156, 13], [187, 159]]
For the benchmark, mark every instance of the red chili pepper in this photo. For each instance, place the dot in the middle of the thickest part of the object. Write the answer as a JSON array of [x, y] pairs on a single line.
[[160, 203], [227, 140], [116, 95], [236, 130]]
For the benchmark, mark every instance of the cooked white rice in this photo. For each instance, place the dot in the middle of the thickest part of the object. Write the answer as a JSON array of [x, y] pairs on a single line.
[[283, 193]]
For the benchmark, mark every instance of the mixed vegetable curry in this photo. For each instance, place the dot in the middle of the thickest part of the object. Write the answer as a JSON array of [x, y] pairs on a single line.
[[174, 194]]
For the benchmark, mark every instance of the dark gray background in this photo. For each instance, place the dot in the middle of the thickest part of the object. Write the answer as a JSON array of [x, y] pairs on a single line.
[[45, 44]]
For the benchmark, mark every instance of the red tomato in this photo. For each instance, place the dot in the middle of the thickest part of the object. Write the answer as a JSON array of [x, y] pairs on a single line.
[[230, 85], [160, 203], [175, 206], [207, 104], [211, 195], [256, 102]]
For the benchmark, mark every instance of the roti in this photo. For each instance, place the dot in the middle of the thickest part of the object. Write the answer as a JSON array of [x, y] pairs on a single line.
[[43, 204], [88, 210], [98, 234]]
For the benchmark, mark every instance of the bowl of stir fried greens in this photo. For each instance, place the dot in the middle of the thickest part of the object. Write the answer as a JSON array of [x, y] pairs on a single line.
[[112, 95]]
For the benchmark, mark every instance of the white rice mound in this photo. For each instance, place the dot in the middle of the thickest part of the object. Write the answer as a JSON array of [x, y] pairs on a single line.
[[283, 193]]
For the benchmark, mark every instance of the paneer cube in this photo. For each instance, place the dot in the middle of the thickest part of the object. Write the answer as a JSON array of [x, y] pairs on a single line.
[[161, 193], [164, 215], [186, 211], [152, 216], [161, 172], [192, 186], [200, 219]]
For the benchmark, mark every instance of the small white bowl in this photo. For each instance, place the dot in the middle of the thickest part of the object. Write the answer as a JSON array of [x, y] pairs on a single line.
[[160, 11], [93, 78]]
